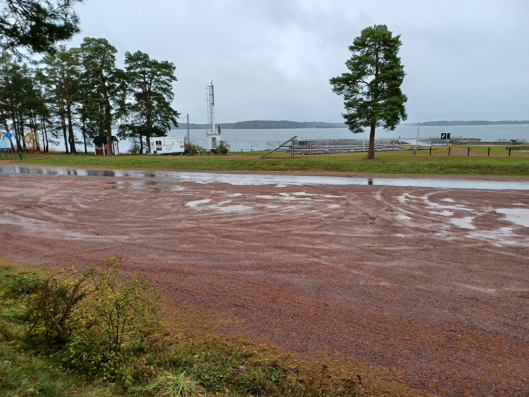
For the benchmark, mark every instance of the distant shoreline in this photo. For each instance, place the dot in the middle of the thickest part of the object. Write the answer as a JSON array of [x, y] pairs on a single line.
[[474, 122], [264, 125], [285, 124]]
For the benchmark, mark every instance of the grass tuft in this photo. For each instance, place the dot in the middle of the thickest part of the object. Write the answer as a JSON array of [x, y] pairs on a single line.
[[173, 385]]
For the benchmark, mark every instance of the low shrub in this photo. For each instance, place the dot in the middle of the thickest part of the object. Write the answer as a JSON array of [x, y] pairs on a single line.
[[112, 324], [91, 322], [191, 148], [223, 147], [52, 304]]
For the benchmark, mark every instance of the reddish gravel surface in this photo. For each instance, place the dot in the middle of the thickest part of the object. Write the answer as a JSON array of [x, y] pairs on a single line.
[[432, 281]]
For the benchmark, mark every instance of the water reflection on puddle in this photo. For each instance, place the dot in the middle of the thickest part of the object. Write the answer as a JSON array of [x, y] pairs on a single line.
[[258, 179]]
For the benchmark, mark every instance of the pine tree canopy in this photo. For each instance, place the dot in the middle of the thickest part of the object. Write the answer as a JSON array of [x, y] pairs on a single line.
[[36, 25]]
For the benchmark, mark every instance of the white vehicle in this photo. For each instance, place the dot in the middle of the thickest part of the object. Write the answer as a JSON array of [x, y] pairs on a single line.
[[167, 145]]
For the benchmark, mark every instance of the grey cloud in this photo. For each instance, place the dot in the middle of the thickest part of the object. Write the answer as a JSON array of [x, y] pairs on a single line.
[[272, 59]]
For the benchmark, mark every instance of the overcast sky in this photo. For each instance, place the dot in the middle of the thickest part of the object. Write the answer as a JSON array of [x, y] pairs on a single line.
[[272, 59]]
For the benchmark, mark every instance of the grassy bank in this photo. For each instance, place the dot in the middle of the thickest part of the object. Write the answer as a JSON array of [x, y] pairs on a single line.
[[183, 357], [385, 162]]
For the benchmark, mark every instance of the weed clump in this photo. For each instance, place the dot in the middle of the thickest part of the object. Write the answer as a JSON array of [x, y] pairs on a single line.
[[171, 384], [18, 285]]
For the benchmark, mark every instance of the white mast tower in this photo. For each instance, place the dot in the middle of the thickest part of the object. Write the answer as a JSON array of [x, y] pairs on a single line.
[[214, 134]]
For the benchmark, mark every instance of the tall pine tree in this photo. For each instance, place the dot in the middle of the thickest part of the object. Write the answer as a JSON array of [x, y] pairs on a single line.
[[371, 88]]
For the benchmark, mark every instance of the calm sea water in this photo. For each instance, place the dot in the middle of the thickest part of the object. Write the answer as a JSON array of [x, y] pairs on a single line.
[[262, 139]]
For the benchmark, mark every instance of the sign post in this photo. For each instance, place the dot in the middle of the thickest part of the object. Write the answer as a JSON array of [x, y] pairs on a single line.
[[6, 144]]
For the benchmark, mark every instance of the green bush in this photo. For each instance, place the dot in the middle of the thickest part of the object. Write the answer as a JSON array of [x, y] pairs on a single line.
[[90, 321], [51, 306], [112, 324], [223, 147], [191, 148]]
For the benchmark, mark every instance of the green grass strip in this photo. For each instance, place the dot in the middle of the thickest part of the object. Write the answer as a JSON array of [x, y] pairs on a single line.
[[387, 163]]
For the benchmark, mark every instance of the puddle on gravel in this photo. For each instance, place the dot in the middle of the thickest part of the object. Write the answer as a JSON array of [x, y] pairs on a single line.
[[403, 217], [499, 237], [232, 208], [197, 202], [279, 180], [443, 213], [464, 223], [520, 216]]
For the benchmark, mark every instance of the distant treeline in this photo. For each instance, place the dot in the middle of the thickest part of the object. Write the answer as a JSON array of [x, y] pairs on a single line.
[[263, 124], [473, 122], [285, 124]]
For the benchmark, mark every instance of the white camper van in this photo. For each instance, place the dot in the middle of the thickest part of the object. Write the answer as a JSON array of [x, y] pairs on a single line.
[[167, 145]]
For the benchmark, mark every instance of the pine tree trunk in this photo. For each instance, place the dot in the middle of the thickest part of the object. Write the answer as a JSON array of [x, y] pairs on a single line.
[[84, 135], [71, 136], [83, 117], [371, 150], [17, 136], [37, 143], [109, 130], [141, 143], [43, 141], [22, 134], [36, 138], [63, 122], [45, 134], [14, 118], [149, 128]]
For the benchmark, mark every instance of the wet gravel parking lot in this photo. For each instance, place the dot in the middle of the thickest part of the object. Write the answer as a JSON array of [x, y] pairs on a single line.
[[427, 277]]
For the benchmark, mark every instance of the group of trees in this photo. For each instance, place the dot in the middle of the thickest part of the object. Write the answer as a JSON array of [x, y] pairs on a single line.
[[75, 89], [81, 89]]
